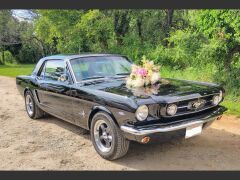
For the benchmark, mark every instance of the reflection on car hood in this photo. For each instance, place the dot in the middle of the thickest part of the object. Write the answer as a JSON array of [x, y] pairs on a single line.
[[168, 90]]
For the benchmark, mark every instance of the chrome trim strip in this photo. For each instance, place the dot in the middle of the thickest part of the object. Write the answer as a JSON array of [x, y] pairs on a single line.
[[192, 98], [71, 71], [191, 112], [181, 107]]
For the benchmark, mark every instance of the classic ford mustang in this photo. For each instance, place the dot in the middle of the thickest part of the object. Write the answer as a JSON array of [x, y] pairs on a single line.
[[90, 91]]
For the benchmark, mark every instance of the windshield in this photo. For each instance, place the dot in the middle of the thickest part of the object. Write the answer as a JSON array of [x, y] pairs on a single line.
[[85, 68]]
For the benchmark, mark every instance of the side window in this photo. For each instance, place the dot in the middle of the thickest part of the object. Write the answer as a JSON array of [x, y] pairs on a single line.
[[54, 69]]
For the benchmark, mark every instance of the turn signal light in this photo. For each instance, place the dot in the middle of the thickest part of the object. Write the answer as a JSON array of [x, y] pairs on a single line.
[[145, 140]]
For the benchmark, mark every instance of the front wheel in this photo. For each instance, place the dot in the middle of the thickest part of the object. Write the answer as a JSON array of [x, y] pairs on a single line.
[[107, 138]]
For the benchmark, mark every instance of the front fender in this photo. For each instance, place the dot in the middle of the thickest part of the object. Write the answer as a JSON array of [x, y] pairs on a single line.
[[98, 108]]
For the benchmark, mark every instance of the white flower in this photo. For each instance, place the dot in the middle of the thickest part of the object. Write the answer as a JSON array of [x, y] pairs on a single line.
[[147, 81], [139, 82], [155, 77], [145, 75], [129, 81]]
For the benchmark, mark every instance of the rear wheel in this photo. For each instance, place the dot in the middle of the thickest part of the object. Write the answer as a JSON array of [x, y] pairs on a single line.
[[107, 138], [32, 109]]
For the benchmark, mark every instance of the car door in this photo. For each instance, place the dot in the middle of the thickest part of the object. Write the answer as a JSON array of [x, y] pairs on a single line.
[[81, 100], [55, 94]]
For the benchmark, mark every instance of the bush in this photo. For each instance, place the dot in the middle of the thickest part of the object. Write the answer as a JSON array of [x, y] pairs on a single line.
[[29, 53], [184, 50], [231, 81], [8, 57], [133, 48]]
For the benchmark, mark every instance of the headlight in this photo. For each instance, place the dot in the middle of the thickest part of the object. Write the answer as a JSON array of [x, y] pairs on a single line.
[[171, 109], [217, 99], [142, 112], [220, 96]]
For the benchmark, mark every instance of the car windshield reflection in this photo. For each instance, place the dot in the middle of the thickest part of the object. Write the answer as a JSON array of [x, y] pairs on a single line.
[[90, 68]]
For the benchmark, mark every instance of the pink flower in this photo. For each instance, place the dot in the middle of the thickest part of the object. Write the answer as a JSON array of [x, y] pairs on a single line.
[[142, 72]]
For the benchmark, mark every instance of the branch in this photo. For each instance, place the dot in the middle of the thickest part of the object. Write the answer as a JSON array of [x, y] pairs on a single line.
[[9, 43]]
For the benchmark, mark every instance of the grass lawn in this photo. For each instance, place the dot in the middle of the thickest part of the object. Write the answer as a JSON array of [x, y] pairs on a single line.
[[233, 107], [205, 74], [14, 70]]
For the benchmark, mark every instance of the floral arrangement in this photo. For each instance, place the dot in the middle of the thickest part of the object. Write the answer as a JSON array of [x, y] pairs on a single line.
[[145, 75]]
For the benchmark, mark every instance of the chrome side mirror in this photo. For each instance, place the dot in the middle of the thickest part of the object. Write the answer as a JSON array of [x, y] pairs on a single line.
[[63, 78], [39, 78]]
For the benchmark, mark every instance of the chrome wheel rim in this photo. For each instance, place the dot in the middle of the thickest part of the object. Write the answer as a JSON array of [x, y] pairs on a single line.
[[103, 136], [29, 105]]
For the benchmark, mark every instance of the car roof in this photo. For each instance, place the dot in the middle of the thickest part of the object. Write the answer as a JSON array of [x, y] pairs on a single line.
[[70, 56], [73, 56]]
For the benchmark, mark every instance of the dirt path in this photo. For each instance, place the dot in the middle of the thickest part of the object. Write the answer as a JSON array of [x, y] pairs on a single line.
[[50, 143]]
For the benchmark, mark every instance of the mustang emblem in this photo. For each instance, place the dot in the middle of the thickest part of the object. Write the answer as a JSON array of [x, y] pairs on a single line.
[[197, 104]]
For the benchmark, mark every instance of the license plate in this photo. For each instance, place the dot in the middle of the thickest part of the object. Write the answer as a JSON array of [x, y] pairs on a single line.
[[193, 130]]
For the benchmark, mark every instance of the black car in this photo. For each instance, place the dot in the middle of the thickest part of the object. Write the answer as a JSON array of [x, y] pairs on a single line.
[[90, 91]]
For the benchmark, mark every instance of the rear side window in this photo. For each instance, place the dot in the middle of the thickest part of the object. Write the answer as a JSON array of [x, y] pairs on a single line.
[[54, 69]]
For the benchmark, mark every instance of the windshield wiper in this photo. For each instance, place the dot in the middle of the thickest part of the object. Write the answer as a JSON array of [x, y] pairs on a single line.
[[99, 77], [119, 74], [93, 77]]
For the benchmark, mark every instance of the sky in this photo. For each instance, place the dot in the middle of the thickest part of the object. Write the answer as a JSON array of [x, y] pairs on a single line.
[[21, 14]]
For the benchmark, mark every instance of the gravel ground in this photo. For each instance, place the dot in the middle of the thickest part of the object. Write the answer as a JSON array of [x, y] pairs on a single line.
[[52, 144]]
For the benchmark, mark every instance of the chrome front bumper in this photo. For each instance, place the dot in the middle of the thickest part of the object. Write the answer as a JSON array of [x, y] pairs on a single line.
[[156, 128]]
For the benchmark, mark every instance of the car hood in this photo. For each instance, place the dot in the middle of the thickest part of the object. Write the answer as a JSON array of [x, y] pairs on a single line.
[[167, 91]]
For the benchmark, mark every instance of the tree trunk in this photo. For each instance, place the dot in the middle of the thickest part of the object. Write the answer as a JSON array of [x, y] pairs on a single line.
[[229, 58], [169, 18], [104, 45], [168, 25], [121, 25], [227, 64], [1, 62], [139, 27], [3, 56], [119, 39]]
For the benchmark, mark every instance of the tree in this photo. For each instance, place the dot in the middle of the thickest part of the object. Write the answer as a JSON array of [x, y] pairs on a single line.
[[96, 27], [9, 32], [121, 24], [222, 27], [55, 28]]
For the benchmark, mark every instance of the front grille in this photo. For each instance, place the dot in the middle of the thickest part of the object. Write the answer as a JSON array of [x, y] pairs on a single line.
[[185, 107], [155, 110], [196, 115]]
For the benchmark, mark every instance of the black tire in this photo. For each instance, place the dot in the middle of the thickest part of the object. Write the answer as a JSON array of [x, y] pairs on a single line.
[[119, 144], [36, 111]]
